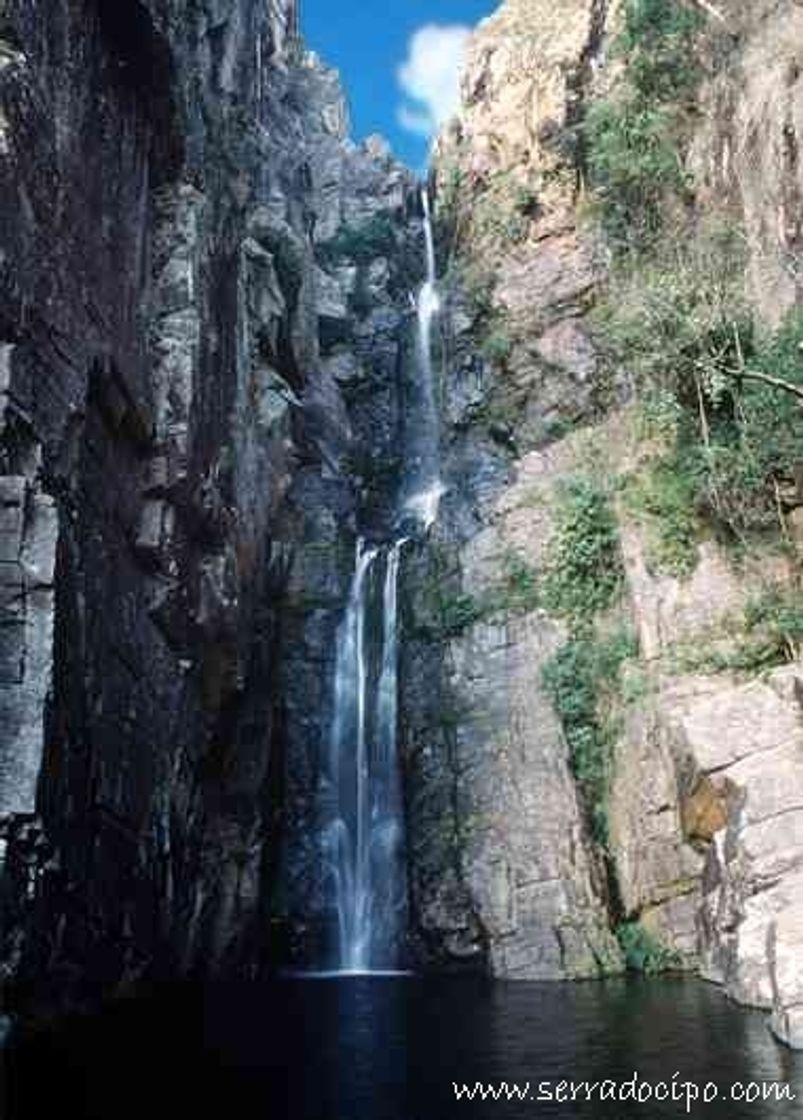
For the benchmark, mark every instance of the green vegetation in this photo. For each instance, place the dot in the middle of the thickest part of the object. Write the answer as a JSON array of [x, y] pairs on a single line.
[[663, 497], [672, 313], [748, 438], [361, 244], [657, 43], [581, 675], [455, 613], [497, 346], [633, 164], [519, 590], [774, 624], [643, 952], [768, 634], [526, 201], [633, 140], [585, 566], [450, 613], [583, 579], [719, 398]]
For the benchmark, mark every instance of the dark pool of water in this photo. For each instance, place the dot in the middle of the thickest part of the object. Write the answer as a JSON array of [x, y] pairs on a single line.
[[391, 1049]]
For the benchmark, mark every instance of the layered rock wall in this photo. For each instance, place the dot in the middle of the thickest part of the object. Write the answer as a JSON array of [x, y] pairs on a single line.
[[205, 364], [178, 446], [705, 797]]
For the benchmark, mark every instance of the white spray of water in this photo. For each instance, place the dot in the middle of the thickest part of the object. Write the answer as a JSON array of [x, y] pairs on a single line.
[[363, 839], [426, 489]]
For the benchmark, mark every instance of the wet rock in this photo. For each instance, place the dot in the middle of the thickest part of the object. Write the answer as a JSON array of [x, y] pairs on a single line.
[[28, 536], [493, 803], [176, 503]]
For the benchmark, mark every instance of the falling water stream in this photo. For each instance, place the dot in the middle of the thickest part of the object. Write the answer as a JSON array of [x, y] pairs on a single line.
[[363, 835], [423, 487]]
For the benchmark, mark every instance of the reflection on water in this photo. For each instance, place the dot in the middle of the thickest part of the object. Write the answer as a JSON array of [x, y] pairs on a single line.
[[389, 1049]]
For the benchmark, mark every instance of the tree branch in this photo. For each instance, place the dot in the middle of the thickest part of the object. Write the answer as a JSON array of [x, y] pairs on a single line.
[[767, 379], [715, 13]]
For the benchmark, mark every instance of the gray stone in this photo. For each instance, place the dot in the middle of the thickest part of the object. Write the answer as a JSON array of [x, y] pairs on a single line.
[[567, 344], [529, 892], [331, 299], [12, 517], [38, 553], [343, 365], [149, 534], [6, 352], [195, 549]]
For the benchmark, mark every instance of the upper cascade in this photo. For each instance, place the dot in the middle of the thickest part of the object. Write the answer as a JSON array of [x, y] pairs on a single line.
[[424, 487]]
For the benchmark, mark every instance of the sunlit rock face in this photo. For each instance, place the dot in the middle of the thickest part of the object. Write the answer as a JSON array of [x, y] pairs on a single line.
[[511, 161], [704, 845], [503, 874], [747, 147], [195, 390]]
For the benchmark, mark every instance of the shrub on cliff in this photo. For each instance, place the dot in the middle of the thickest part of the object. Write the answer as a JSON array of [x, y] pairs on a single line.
[[583, 579], [578, 679], [643, 952], [361, 244], [724, 399], [633, 163], [585, 567], [633, 139], [657, 42]]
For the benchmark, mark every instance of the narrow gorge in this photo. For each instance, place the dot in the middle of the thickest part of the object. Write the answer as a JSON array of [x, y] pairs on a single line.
[[401, 576]]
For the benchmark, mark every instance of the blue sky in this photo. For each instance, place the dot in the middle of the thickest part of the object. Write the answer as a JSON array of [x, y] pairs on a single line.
[[397, 59]]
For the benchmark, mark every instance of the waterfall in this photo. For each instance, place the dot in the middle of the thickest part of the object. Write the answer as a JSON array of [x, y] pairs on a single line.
[[363, 839], [362, 831], [344, 836], [387, 879], [423, 488], [388, 681], [429, 240]]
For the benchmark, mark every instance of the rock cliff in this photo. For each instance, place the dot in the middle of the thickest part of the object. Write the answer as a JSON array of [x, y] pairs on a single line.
[[203, 308], [686, 754], [206, 360]]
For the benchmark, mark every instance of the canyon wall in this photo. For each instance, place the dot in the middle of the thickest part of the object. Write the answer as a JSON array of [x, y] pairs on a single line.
[[206, 369], [701, 857], [201, 328]]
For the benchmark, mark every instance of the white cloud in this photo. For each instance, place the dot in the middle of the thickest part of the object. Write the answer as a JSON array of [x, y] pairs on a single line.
[[417, 121], [430, 77]]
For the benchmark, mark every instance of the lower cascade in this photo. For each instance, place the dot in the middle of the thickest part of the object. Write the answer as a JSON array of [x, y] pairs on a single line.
[[363, 836]]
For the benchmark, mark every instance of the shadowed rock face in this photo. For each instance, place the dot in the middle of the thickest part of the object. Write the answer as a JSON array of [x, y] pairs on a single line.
[[186, 388]]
